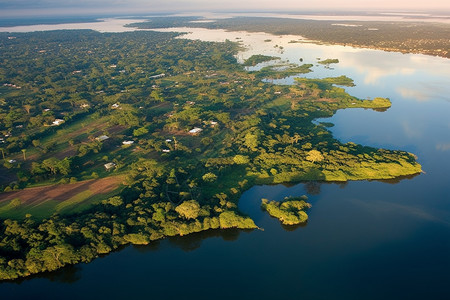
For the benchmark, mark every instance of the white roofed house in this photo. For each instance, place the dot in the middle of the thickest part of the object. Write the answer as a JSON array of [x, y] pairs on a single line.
[[110, 166], [195, 131], [102, 138], [58, 122], [158, 76]]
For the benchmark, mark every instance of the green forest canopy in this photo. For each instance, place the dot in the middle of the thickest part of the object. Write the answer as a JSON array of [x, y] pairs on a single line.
[[199, 130]]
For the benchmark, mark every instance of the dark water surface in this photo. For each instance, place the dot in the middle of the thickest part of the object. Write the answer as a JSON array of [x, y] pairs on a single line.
[[363, 240]]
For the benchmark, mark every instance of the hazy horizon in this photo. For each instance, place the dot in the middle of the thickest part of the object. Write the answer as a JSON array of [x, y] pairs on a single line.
[[24, 8]]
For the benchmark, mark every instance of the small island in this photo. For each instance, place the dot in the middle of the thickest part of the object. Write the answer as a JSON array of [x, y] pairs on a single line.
[[290, 212], [257, 59], [282, 71], [328, 61]]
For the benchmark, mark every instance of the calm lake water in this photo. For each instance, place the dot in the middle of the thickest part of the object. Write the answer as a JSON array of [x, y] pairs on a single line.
[[363, 240]]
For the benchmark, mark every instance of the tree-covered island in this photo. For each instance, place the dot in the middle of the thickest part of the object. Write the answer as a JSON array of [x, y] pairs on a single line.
[[112, 139], [328, 61], [257, 59], [291, 211]]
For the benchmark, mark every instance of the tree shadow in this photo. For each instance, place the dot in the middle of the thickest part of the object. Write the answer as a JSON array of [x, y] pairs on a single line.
[[294, 227], [67, 274], [398, 179], [194, 241]]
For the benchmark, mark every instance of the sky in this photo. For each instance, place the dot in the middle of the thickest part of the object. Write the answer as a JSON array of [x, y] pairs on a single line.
[[70, 7]]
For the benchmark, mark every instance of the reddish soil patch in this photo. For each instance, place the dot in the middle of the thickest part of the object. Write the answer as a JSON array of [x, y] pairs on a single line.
[[68, 152], [62, 192], [94, 129], [115, 129]]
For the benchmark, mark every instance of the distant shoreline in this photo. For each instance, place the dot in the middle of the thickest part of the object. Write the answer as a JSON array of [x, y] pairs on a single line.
[[12, 22], [355, 30]]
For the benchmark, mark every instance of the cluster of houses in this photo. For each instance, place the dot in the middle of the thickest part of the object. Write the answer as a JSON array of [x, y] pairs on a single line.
[[194, 131], [198, 130], [12, 85], [110, 166]]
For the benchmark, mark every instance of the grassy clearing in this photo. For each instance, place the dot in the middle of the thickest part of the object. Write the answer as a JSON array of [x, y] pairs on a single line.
[[79, 198], [82, 202], [40, 211]]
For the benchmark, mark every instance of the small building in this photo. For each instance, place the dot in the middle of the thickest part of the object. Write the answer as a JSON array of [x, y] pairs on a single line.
[[168, 140], [11, 161], [102, 138], [115, 105], [195, 131], [127, 142], [158, 76], [58, 122], [166, 150], [109, 166]]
